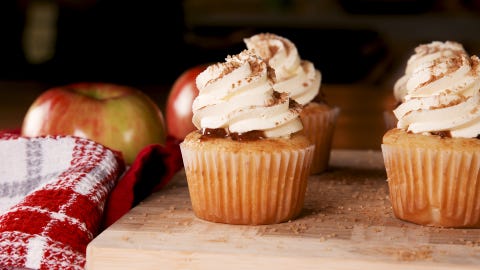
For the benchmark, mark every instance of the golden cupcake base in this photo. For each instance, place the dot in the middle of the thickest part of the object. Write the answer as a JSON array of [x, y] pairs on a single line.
[[252, 183], [432, 180]]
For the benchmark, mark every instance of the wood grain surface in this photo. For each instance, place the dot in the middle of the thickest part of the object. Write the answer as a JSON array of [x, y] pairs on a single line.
[[347, 223]]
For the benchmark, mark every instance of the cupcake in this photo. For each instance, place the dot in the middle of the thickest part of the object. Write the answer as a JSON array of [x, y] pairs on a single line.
[[432, 157], [301, 81], [248, 162], [425, 53]]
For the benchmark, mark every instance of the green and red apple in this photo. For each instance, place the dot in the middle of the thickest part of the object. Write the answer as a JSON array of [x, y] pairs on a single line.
[[120, 117]]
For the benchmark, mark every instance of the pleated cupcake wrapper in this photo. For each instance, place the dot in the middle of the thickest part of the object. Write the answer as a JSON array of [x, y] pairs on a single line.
[[434, 187], [247, 188], [319, 130]]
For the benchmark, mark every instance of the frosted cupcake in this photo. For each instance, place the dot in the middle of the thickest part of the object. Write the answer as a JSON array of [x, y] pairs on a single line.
[[302, 81], [432, 158], [424, 54], [248, 163]]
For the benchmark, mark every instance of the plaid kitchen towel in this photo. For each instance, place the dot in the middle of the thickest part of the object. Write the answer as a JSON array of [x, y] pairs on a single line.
[[151, 170], [53, 192]]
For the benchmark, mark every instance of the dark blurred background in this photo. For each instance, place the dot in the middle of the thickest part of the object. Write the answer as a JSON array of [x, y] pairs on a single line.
[[360, 46], [152, 42]]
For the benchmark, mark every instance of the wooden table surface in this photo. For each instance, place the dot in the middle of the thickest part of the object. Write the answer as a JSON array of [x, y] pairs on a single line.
[[360, 124], [347, 223]]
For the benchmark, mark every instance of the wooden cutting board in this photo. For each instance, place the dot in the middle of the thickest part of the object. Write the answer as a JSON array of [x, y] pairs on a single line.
[[347, 223]]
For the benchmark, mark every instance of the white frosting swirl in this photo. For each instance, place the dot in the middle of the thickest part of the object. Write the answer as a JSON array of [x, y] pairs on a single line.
[[237, 95], [442, 94], [425, 53], [295, 76]]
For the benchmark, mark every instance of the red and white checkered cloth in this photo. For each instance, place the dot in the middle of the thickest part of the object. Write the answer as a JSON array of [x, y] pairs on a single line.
[[52, 196], [57, 193]]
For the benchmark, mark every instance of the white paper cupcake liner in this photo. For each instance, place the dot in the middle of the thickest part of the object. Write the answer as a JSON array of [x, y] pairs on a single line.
[[433, 186], [247, 187], [319, 129]]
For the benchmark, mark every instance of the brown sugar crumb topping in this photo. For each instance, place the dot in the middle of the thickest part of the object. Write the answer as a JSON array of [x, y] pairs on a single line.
[[271, 74], [255, 66], [226, 68], [279, 97], [422, 253], [453, 64], [273, 50], [474, 62], [294, 106]]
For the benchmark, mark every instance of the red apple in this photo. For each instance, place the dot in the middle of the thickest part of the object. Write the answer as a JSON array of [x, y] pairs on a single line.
[[178, 110], [120, 117]]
